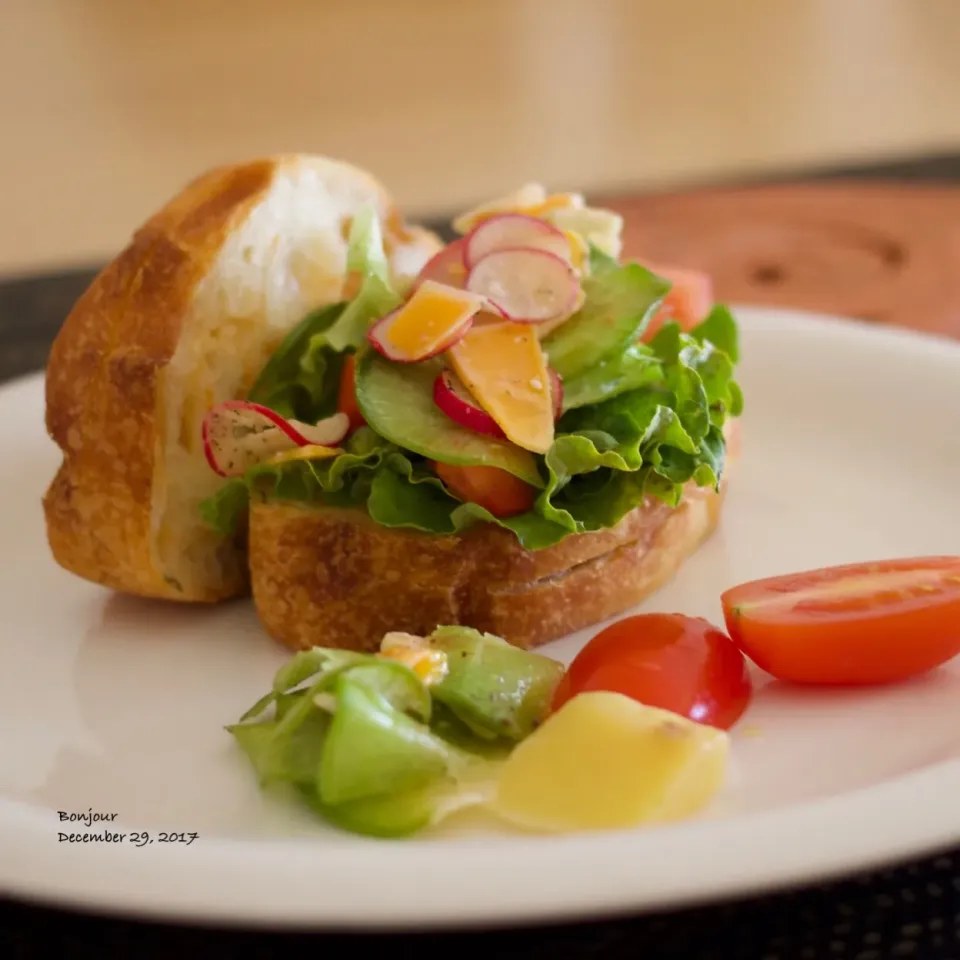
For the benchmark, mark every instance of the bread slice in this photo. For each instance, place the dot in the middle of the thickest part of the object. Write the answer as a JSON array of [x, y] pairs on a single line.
[[185, 317], [334, 578]]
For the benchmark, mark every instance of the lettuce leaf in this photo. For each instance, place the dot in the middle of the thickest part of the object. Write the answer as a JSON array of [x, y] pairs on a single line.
[[370, 747], [301, 379], [377, 296], [637, 366], [343, 481]]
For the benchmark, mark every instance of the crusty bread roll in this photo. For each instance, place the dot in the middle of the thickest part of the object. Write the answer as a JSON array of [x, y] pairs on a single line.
[[185, 317], [334, 578]]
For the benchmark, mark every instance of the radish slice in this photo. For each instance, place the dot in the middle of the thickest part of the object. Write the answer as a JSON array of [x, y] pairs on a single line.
[[453, 398], [435, 318], [237, 435], [529, 286], [446, 266], [512, 230], [556, 392]]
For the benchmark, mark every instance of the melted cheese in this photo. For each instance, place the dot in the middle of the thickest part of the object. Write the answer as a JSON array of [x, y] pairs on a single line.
[[504, 368], [429, 318]]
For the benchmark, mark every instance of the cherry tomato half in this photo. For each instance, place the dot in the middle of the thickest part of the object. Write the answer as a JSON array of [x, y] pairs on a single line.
[[863, 623], [347, 395], [682, 664], [503, 494]]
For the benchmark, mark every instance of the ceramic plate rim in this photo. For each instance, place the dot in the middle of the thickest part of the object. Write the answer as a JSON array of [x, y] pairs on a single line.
[[245, 883]]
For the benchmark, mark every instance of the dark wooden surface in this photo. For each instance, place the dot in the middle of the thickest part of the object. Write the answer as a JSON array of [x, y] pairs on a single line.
[[872, 247], [883, 252]]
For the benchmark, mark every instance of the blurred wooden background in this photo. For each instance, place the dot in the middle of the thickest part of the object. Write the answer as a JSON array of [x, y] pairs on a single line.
[[108, 106]]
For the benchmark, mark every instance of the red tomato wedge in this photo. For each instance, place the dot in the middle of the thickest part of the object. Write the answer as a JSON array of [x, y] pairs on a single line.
[[682, 664], [863, 623], [347, 395], [503, 494]]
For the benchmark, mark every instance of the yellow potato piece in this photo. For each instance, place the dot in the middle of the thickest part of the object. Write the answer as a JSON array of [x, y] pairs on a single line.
[[604, 761]]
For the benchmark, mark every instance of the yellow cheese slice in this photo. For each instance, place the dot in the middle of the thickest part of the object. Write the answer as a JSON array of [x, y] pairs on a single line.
[[504, 368], [531, 199], [556, 201], [312, 451], [428, 319], [605, 761], [529, 195]]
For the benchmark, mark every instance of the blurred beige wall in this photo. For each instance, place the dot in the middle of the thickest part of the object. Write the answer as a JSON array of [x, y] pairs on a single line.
[[108, 106]]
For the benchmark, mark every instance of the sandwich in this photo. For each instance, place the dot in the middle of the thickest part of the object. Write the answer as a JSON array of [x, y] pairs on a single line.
[[531, 440], [515, 431], [183, 319]]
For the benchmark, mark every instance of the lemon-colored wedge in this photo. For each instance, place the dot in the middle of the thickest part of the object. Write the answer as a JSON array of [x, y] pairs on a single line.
[[604, 761]]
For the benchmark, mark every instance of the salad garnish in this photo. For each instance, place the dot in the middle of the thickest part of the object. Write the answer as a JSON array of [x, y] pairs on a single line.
[[385, 744], [518, 382]]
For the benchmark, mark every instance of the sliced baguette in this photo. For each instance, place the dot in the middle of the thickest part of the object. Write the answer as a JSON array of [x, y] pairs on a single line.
[[185, 317]]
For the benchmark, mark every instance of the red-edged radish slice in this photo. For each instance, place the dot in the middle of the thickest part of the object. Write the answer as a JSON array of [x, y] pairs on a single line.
[[435, 318], [556, 392], [529, 286], [237, 434], [511, 230], [453, 398], [447, 266]]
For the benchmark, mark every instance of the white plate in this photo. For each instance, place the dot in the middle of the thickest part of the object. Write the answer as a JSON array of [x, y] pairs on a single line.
[[850, 453]]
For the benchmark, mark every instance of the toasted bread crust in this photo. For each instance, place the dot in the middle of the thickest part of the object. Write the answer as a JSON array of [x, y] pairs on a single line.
[[334, 578], [106, 378]]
